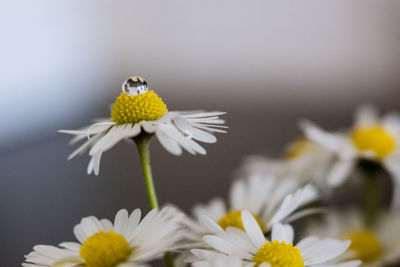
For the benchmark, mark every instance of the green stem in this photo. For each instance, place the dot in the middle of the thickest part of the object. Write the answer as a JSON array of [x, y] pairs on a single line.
[[142, 142], [169, 259], [371, 194], [371, 199]]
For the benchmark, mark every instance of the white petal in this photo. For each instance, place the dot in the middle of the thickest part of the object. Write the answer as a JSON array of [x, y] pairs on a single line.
[[282, 232], [121, 222], [324, 250], [321, 137], [237, 195], [94, 164], [73, 246], [133, 222], [191, 114], [339, 172], [211, 225], [186, 127], [168, 143], [108, 140], [107, 225], [252, 228], [79, 233], [215, 209], [294, 201], [366, 115], [224, 246]]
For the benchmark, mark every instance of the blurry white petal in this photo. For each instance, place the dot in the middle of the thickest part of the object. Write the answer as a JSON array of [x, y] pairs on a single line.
[[339, 172], [252, 229], [324, 250], [366, 115], [282, 232], [321, 137]]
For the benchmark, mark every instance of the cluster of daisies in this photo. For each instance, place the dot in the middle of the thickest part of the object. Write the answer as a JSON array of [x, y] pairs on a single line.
[[276, 214]]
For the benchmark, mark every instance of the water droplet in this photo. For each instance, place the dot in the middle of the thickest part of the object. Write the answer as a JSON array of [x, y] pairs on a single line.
[[135, 85]]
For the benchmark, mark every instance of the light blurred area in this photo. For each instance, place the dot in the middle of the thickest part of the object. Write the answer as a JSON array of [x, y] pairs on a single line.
[[267, 63]]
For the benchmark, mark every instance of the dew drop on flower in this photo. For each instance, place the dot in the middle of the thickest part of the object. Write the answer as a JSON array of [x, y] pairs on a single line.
[[135, 85]]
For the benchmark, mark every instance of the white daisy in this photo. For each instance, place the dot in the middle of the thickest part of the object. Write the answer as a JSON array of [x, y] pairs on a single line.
[[303, 160], [375, 247], [372, 138], [138, 111], [126, 243], [268, 198], [255, 250]]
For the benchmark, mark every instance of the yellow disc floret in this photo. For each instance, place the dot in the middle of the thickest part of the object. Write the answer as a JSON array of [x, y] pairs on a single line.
[[279, 254], [298, 148], [366, 245], [105, 249], [233, 219], [375, 139], [135, 108]]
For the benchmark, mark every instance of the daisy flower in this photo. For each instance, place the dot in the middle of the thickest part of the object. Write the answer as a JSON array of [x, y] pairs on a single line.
[[303, 160], [268, 198], [138, 111], [129, 242], [378, 246], [254, 249], [371, 138]]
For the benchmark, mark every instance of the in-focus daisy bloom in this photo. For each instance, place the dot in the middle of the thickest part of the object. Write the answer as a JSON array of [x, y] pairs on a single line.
[[256, 250], [269, 199], [375, 247], [127, 242], [138, 111], [371, 138]]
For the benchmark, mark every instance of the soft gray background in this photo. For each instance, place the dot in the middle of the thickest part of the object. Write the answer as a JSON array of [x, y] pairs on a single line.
[[267, 63]]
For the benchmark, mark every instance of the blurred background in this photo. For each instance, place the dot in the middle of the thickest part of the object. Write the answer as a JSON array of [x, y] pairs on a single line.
[[267, 63]]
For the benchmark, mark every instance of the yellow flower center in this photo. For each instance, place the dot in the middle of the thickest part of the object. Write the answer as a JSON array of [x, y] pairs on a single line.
[[105, 249], [366, 245], [373, 138], [233, 219], [298, 148], [279, 255], [135, 108]]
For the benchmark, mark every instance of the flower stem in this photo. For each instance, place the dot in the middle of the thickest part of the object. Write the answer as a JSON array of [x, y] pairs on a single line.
[[372, 201], [142, 142]]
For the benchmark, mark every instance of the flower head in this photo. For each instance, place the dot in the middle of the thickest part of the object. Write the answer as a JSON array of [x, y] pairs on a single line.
[[254, 249], [377, 246], [104, 244], [139, 111], [371, 139], [269, 199]]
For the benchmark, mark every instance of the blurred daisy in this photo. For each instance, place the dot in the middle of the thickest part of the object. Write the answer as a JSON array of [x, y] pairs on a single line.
[[254, 249], [372, 138], [375, 247], [303, 160], [126, 243], [138, 111], [270, 200]]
